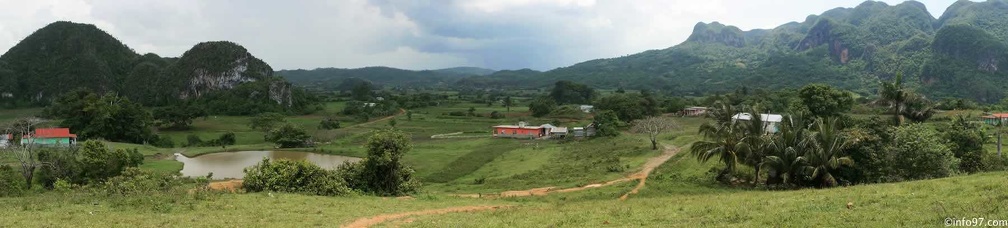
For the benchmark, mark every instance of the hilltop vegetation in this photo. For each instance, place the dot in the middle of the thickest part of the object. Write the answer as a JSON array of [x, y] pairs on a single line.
[[64, 56]]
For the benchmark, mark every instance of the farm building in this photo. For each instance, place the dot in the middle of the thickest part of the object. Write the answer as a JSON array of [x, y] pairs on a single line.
[[5, 140], [770, 121], [994, 119], [694, 111], [522, 130], [587, 108], [50, 137], [580, 132]]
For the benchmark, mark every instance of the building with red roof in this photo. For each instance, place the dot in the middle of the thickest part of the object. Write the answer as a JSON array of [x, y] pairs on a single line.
[[994, 119], [50, 136]]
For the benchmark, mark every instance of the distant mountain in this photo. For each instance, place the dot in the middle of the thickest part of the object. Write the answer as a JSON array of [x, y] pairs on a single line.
[[467, 71], [63, 56], [331, 78], [960, 54]]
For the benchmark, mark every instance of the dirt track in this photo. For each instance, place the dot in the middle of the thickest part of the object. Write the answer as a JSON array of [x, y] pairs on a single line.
[[641, 175], [371, 221]]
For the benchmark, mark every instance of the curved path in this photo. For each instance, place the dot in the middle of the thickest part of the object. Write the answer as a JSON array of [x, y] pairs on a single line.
[[641, 175]]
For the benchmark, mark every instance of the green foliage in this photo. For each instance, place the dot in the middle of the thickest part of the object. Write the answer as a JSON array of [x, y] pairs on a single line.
[[266, 121], [362, 92], [606, 124], [497, 115], [295, 177], [568, 92], [825, 101], [108, 117], [329, 123], [382, 172], [542, 106], [90, 163], [135, 181], [966, 140], [629, 107], [918, 152], [288, 136], [178, 116], [11, 182]]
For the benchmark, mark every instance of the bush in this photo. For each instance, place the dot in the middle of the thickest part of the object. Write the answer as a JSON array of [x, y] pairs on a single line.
[[918, 152], [294, 177], [288, 136], [457, 113], [329, 123], [382, 172], [11, 182], [193, 140], [137, 181], [993, 162], [496, 115]]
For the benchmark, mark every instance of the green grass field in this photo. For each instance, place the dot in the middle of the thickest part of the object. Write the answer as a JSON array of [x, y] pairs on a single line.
[[680, 193]]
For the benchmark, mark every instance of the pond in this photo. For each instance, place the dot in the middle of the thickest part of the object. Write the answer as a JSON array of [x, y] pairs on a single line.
[[232, 164]]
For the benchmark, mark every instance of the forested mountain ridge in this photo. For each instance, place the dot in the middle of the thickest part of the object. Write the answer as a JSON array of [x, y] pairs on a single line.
[[960, 54], [64, 56], [331, 78]]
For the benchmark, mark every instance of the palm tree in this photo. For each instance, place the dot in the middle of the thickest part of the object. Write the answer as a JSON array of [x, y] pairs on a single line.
[[824, 154], [895, 96], [722, 138], [756, 140], [724, 141], [787, 148]]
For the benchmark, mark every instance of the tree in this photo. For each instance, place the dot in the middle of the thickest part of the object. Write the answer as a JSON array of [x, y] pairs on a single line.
[[903, 103], [568, 92], [99, 163], [508, 102], [628, 107], [330, 122], [409, 115], [919, 152], [606, 124], [108, 117], [472, 111], [654, 126], [226, 139], [826, 153], [266, 121], [825, 101], [177, 116], [288, 136], [362, 91], [26, 153], [722, 140], [392, 123], [542, 106], [383, 172]]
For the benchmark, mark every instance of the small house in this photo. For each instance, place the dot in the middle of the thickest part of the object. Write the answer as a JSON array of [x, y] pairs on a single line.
[[994, 119], [694, 111], [587, 108], [522, 130], [770, 121], [581, 132], [50, 137], [5, 140]]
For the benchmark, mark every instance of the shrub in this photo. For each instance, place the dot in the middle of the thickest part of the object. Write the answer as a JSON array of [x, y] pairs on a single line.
[[288, 136], [137, 181], [993, 162], [496, 115], [193, 140], [382, 172], [329, 123], [294, 177], [918, 152], [11, 182]]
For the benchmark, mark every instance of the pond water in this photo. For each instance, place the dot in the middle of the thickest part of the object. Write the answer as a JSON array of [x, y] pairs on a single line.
[[232, 164]]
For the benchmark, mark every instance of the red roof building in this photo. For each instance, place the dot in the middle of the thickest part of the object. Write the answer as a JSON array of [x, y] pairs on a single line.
[[50, 136]]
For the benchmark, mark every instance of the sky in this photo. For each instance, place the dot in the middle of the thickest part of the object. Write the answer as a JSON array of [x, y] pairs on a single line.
[[412, 34]]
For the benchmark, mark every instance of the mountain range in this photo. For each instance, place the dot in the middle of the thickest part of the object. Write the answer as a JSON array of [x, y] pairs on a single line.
[[960, 54]]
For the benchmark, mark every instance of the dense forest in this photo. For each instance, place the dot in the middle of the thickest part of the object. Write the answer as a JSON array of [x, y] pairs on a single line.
[[65, 56], [960, 54]]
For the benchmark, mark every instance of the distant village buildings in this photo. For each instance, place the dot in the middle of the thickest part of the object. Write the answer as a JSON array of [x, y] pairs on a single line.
[[694, 111], [525, 131], [770, 121], [587, 108], [995, 119]]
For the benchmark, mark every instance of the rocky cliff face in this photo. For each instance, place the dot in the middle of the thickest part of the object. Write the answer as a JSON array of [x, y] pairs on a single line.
[[718, 33], [823, 34], [222, 65]]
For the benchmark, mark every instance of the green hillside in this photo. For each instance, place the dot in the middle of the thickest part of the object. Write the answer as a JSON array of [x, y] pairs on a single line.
[[331, 78], [64, 56]]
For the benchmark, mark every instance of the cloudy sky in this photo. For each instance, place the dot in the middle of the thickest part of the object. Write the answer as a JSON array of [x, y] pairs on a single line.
[[412, 34]]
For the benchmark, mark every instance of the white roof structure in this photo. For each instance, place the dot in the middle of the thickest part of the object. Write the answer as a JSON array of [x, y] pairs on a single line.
[[558, 130], [773, 118], [550, 126]]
